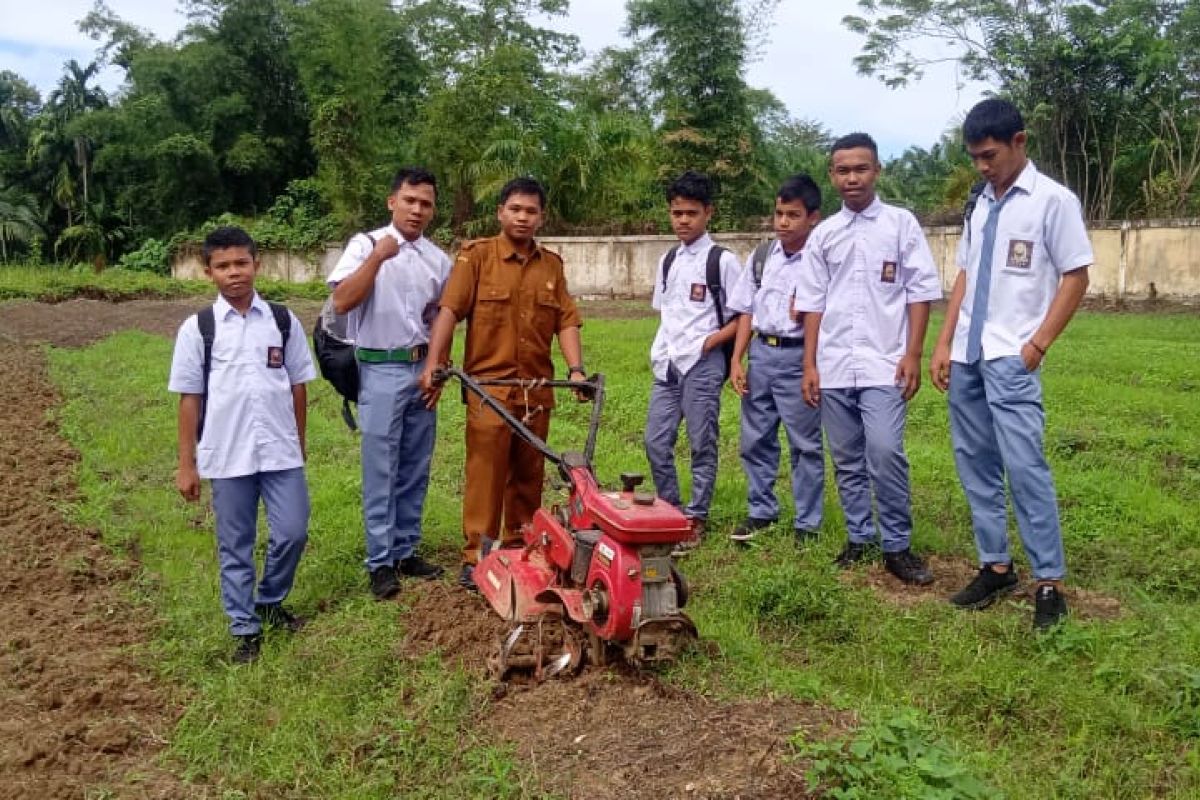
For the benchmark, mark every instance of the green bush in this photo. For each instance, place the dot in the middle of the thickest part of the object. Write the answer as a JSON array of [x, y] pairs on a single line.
[[153, 256], [896, 757]]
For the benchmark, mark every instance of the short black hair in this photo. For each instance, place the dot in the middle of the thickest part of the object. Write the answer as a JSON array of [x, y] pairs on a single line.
[[227, 236], [692, 185], [525, 185], [993, 118], [414, 176], [853, 140], [803, 188]]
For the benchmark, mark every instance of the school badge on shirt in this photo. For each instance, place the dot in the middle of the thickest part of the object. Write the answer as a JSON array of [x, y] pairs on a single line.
[[274, 357], [1020, 253], [888, 273], [699, 292]]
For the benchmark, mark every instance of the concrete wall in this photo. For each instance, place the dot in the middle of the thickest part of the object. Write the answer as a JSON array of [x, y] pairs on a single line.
[[1133, 259]]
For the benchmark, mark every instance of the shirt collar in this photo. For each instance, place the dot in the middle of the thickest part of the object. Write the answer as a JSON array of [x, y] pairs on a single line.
[[870, 212], [703, 242], [222, 309], [417, 244], [1025, 182], [509, 252], [777, 247]]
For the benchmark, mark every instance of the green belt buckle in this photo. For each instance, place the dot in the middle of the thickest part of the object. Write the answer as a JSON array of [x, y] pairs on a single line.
[[773, 341]]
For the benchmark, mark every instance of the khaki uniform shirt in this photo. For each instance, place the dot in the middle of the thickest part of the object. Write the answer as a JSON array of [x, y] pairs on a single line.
[[514, 306]]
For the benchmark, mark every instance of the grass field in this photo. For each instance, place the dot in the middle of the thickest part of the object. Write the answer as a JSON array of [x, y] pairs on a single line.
[[1101, 708]]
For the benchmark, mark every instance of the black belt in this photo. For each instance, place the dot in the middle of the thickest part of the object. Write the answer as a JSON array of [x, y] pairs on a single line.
[[781, 341]]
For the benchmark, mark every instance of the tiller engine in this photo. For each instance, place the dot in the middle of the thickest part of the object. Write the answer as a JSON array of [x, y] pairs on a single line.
[[594, 577]]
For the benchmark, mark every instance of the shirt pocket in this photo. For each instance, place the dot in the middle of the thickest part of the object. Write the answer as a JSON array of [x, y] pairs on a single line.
[[1020, 251], [492, 305], [546, 309]]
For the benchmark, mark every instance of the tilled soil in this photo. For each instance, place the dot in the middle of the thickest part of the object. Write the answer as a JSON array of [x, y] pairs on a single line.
[[617, 733], [80, 715]]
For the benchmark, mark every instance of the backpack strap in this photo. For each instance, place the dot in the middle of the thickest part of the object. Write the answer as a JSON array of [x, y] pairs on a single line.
[[758, 262], [969, 207], [207, 321], [712, 276], [668, 260], [283, 321]]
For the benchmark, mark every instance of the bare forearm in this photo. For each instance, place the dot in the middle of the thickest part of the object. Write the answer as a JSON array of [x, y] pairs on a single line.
[[354, 290], [300, 408], [1066, 300], [741, 342], [812, 332], [441, 333], [570, 342], [918, 324], [953, 306], [189, 421]]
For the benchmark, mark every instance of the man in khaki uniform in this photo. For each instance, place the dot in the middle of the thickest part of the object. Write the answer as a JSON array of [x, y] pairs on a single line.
[[514, 296]]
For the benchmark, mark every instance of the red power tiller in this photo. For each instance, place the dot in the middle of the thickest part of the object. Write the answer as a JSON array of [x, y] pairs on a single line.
[[595, 576]]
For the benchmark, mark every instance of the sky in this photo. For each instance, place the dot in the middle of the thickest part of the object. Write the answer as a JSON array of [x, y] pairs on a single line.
[[806, 62]]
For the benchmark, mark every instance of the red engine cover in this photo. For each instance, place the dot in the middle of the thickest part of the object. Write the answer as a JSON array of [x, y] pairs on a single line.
[[618, 569], [619, 516]]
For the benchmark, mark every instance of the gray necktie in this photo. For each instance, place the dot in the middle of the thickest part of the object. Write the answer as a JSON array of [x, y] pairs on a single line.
[[983, 280]]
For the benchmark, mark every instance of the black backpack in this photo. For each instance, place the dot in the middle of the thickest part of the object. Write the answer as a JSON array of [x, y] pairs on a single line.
[[207, 320], [712, 277], [335, 357], [335, 354]]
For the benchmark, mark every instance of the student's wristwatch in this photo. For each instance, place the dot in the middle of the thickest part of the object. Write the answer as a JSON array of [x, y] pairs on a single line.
[[576, 368]]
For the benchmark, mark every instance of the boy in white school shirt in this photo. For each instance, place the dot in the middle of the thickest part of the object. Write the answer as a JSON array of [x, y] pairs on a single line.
[[687, 356], [1022, 270], [772, 334], [865, 285], [242, 425]]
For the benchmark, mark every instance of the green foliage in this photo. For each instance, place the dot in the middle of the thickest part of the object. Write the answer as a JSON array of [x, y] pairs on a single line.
[[895, 757], [153, 256], [1105, 87], [697, 54]]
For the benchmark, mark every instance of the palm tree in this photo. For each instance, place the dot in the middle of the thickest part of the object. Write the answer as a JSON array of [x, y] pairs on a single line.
[[18, 218], [72, 99]]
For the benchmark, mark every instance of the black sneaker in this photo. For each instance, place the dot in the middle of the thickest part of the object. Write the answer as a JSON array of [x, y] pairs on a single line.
[[276, 615], [747, 528], [466, 578], [803, 536], [416, 567], [908, 567], [986, 588], [853, 553], [384, 583], [248, 648], [1049, 607]]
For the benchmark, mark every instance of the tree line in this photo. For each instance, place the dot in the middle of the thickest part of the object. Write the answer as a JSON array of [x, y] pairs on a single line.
[[290, 115]]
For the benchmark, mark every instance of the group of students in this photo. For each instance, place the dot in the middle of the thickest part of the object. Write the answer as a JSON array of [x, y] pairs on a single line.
[[832, 315]]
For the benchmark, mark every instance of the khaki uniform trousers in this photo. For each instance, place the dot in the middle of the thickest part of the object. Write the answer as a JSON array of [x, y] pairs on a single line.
[[503, 475]]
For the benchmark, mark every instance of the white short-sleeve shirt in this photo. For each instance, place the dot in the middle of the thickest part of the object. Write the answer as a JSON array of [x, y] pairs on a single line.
[[862, 271], [404, 302], [1040, 236], [688, 315], [250, 425], [771, 302]]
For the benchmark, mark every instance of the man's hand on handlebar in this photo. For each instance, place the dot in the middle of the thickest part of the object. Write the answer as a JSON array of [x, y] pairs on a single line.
[[432, 380]]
